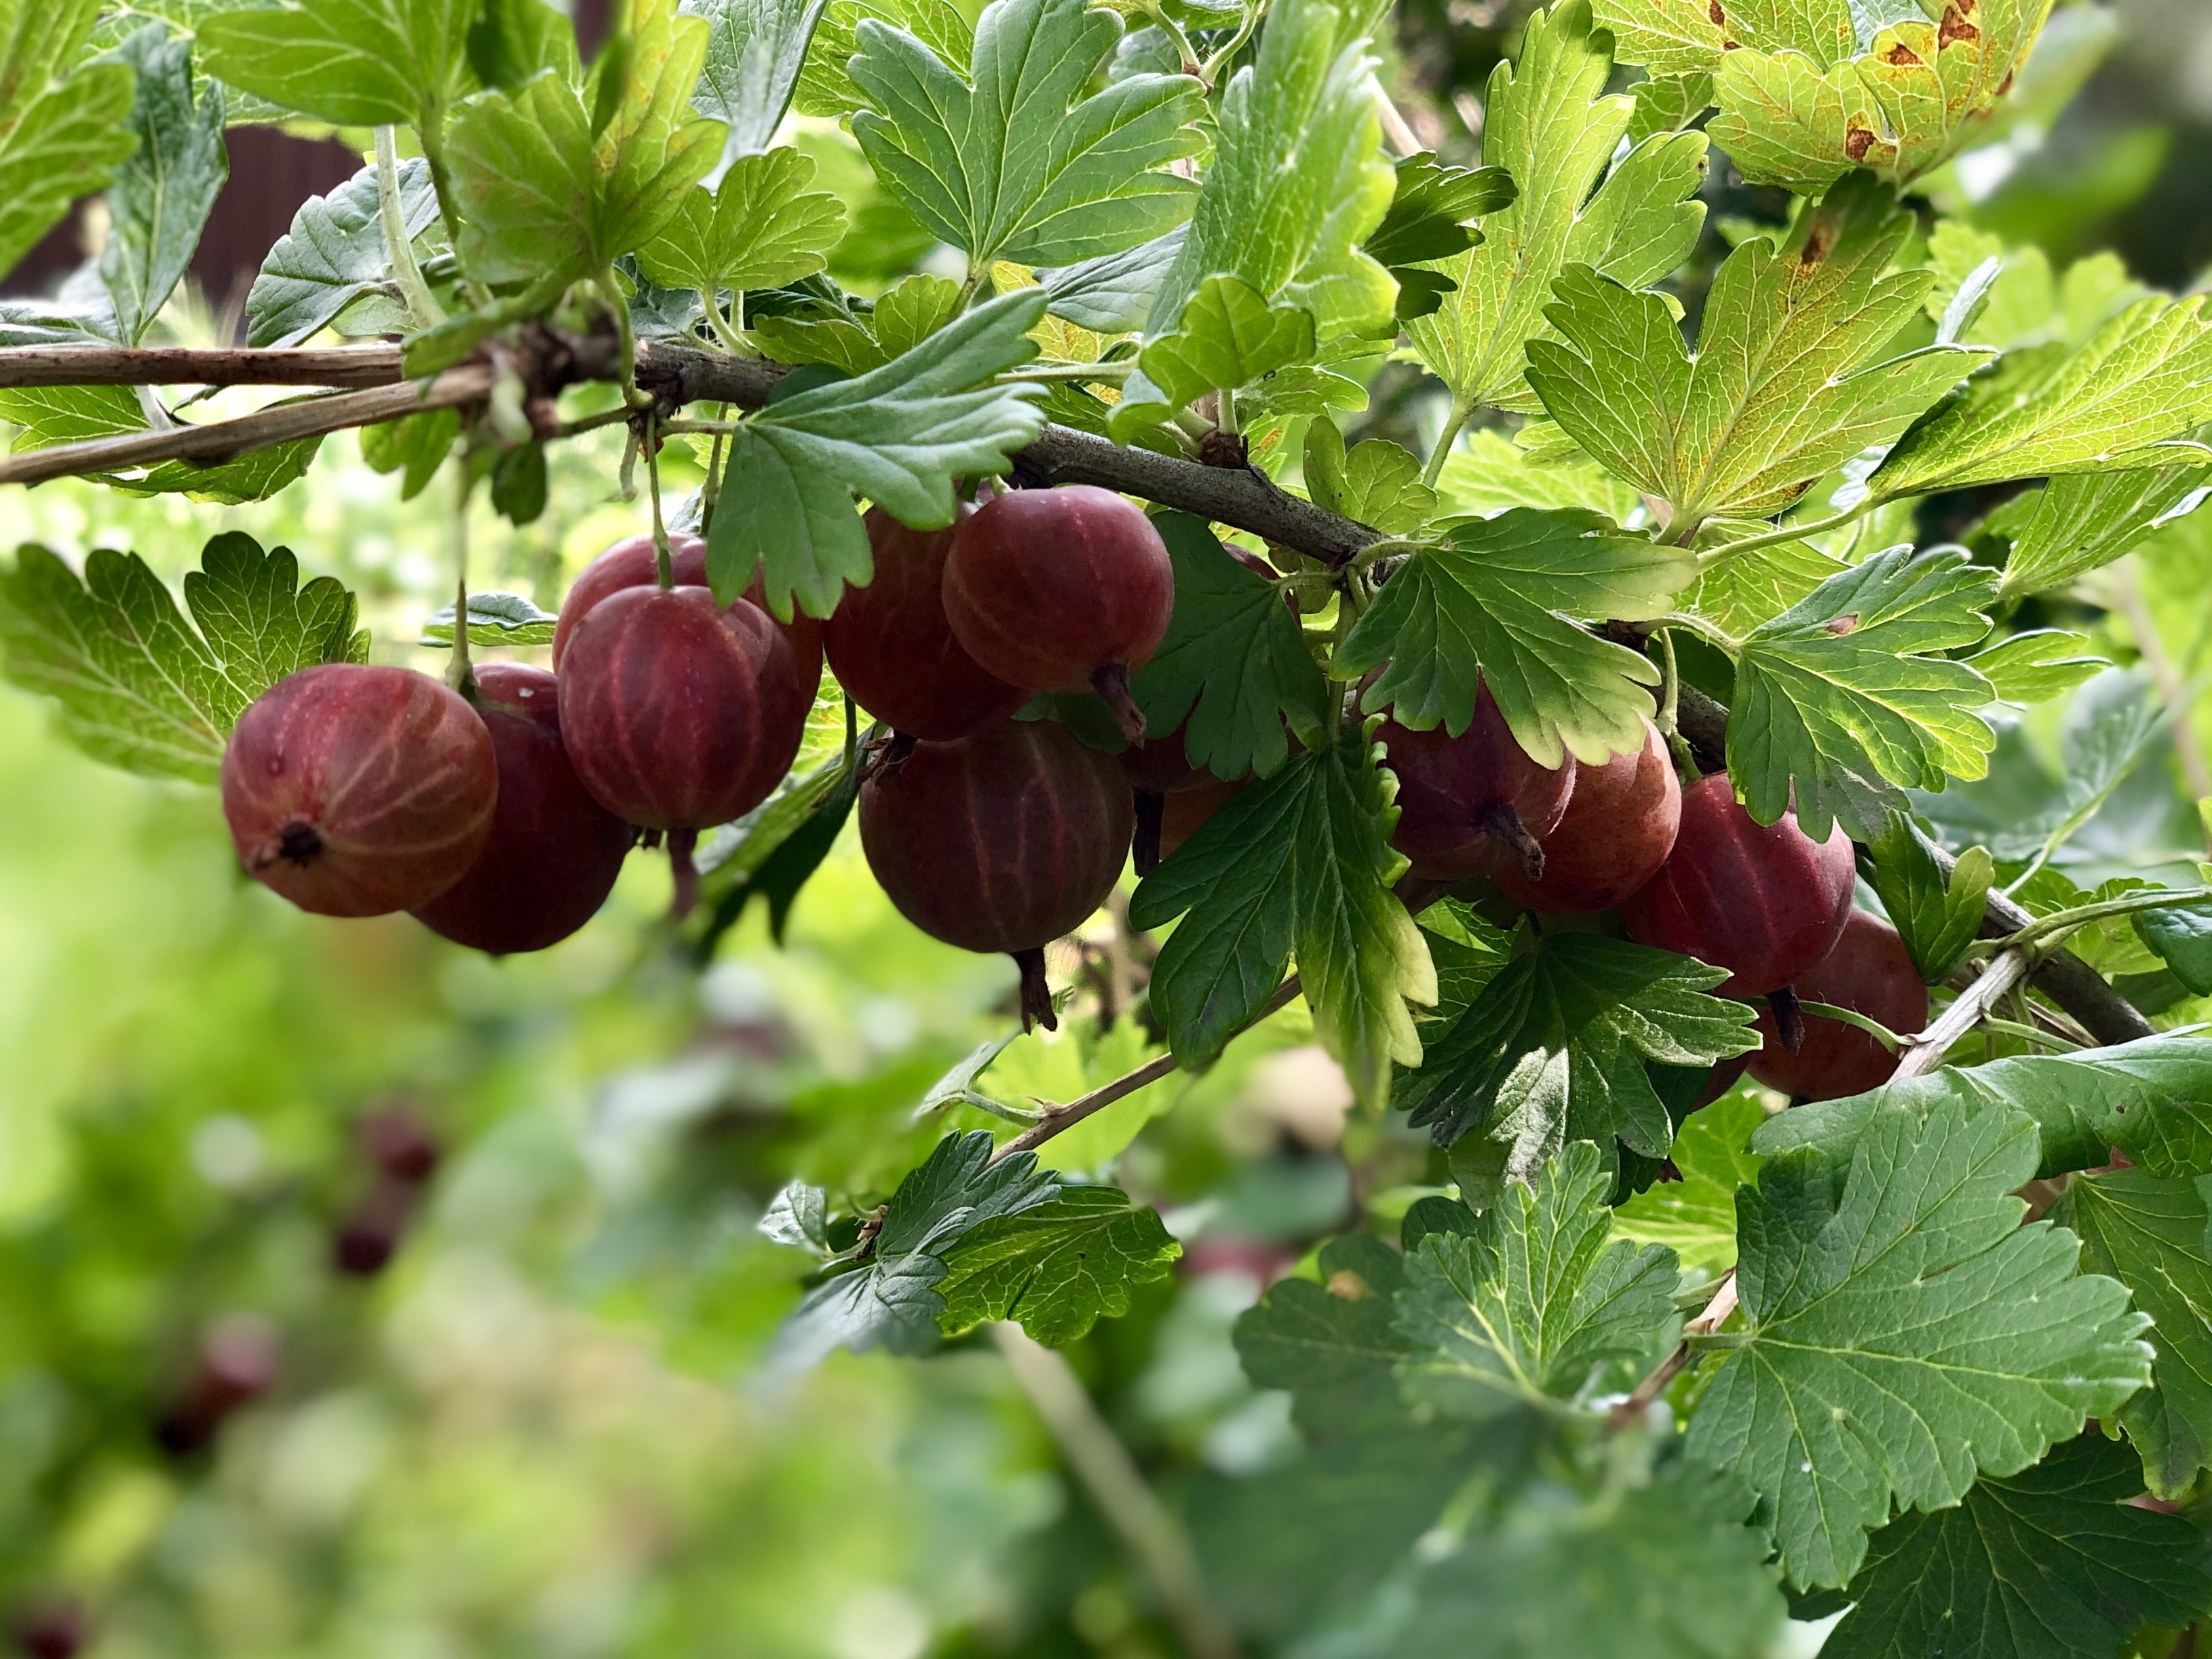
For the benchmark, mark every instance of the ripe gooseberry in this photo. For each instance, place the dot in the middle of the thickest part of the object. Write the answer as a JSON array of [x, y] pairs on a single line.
[[1062, 589], [893, 651], [1475, 803], [1003, 841], [1184, 813], [1618, 826], [554, 852], [1156, 769], [1765, 902], [679, 714], [356, 790], [1869, 972]]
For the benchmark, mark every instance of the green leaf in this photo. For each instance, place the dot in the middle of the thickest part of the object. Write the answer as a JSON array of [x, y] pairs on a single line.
[[333, 254], [1056, 1269], [889, 1298], [1333, 1343], [1113, 293], [2053, 1563], [2144, 1098], [760, 228], [163, 195], [1378, 483], [2149, 1233], [773, 852], [1740, 590], [1015, 162], [2182, 936], [1229, 336], [1554, 1050], [495, 619], [1841, 698], [1300, 862], [1488, 474], [1233, 663], [44, 415], [512, 40], [418, 443], [1549, 126], [2038, 666], [547, 197], [1916, 93], [2025, 304], [755, 53], [1904, 1334], [1790, 379], [1695, 1217], [360, 63], [255, 476], [1297, 181], [903, 319], [825, 86], [2084, 520], [1496, 602], [1431, 207], [1938, 919], [1666, 103], [897, 434], [139, 687], [1540, 1304], [62, 132], [2117, 401]]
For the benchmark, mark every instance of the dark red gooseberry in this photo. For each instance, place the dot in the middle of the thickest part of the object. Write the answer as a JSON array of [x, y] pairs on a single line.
[[892, 650], [1617, 831], [398, 1142], [356, 791], [369, 1237], [679, 714], [1184, 813], [1765, 902], [1724, 1076], [554, 852], [1869, 972], [1062, 589], [50, 1629], [630, 563], [236, 1362], [1475, 803], [1156, 769], [1004, 840]]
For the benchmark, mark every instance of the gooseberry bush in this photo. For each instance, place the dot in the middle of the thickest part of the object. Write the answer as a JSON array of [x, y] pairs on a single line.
[[1622, 739]]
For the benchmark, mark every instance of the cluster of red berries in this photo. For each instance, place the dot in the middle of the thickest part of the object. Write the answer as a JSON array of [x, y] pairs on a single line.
[[1689, 870]]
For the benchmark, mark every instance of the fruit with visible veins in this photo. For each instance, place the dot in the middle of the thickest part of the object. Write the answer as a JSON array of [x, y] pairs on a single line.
[[1765, 902], [554, 852], [630, 563], [356, 791], [1062, 589], [1003, 841], [1618, 827], [1475, 803], [892, 650], [1869, 972], [678, 713]]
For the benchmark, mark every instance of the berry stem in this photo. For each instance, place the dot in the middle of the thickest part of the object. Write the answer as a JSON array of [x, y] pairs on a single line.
[[1037, 992], [664, 566], [1111, 682], [1503, 822], [681, 845], [1144, 850]]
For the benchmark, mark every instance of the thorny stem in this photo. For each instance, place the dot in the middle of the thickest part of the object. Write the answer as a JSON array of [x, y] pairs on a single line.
[[1924, 1053], [460, 673], [422, 309]]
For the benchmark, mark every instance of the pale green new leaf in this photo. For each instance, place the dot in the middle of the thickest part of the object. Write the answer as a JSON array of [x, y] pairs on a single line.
[[2149, 1232], [1229, 336], [1740, 590], [1554, 1050], [60, 139], [760, 228], [1496, 602], [1014, 161], [898, 434], [1842, 698], [333, 254], [1789, 381], [1299, 863], [915, 309], [2142, 380], [140, 688], [1695, 1217], [361, 62], [1058, 1268], [755, 50], [1550, 128], [1377, 483], [1904, 1333], [2084, 520], [1540, 1304], [2038, 666], [161, 195]]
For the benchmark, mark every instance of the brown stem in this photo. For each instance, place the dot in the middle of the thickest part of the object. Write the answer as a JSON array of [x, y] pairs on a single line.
[[1111, 682], [1145, 848], [1036, 991], [681, 845], [1501, 821], [1788, 1018], [334, 366], [1631, 1410]]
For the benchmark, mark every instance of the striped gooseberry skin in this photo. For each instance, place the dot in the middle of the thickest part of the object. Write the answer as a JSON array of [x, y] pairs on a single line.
[[678, 713], [1765, 902], [1453, 792], [554, 852], [1003, 841], [893, 651], [1869, 972], [356, 790], [1046, 588], [1620, 824], [631, 563]]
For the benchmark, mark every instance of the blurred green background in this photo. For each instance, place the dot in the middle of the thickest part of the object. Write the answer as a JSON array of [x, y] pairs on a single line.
[[540, 1429]]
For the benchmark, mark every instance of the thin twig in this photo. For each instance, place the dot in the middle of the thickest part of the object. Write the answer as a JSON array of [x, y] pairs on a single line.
[[1924, 1052], [334, 366], [1098, 1460], [1068, 1117], [1723, 1304]]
